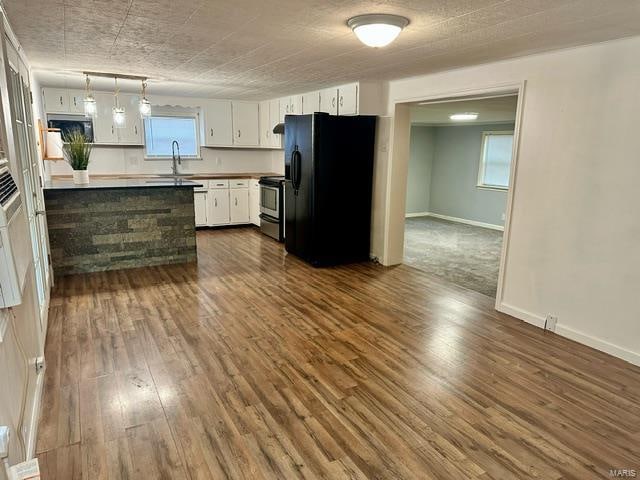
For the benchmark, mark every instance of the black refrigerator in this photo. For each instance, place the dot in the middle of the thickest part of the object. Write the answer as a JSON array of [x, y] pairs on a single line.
[[328, 187]]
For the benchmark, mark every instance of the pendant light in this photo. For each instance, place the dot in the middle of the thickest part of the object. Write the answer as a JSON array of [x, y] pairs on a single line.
[[119, 116], [377, 29], [90, 108], [145, 105]]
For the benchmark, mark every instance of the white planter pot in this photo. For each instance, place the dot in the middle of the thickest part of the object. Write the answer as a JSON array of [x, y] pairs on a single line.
[[81, 177]]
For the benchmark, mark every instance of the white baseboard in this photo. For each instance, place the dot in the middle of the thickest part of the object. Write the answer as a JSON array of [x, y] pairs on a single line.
[[416, 214], [34, 418], [602, 345], [455, 219], [571, 334], [520, 314]]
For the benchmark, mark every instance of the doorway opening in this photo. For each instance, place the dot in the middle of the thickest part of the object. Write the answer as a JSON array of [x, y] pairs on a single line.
[[458, 181]]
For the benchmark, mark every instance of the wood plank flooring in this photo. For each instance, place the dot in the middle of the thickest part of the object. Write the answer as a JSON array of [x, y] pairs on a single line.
[[253, 365]]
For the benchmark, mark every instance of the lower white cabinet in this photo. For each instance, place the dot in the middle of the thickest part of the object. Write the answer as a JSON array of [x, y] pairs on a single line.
[[200, 207], [239, 205], [226, 202], [218, 207]]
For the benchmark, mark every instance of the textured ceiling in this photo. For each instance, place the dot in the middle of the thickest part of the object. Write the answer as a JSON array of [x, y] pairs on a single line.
[[265, 48], [489, 110]]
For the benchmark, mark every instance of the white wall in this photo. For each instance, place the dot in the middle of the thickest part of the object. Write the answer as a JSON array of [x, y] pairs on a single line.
[[574, 246], [130, 160]]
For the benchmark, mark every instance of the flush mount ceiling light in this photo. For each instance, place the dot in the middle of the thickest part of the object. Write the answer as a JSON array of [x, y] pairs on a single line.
[[463, 117], [145, 105], [90, 108], [377, 29]]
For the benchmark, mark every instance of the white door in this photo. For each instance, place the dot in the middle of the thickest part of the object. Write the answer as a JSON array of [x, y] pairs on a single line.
[[311, 102], [265, 125], [245, 124], [76, 101], [20, 97], [103, 129], [218, 126], [56, 100], [348, 99], [274, 115], [218, 206], [239, 208], [254, 202], [329, 101], [200, 207], [131, 134]]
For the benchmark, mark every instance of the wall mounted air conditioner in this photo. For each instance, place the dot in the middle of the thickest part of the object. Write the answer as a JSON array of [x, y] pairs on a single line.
[[14, 241]]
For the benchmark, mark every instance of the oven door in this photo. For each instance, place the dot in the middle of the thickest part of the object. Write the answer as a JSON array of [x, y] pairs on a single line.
[[270, 201]]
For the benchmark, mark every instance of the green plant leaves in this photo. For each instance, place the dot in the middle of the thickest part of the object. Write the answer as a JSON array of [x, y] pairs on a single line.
[[77, 150]]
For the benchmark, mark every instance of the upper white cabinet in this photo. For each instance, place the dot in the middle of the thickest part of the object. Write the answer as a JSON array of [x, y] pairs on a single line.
[[103, 128], [348, 99], [131, 133], [266, 129], [310, 102], [56, 100], [76, 101], [290, 106], [246, 124], [274, 119], [329, 101], [218, 124]]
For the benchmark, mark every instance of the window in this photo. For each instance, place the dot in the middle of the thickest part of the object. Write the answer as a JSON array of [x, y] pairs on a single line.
[[495, 162], [161, 130]]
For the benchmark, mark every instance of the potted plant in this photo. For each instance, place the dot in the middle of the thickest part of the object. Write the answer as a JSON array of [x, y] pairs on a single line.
[[77, 151]]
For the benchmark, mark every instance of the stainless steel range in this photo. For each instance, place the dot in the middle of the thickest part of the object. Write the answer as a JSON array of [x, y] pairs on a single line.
[[272, 207]]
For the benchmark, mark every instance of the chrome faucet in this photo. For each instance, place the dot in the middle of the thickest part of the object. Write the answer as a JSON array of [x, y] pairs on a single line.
[[175, 146]]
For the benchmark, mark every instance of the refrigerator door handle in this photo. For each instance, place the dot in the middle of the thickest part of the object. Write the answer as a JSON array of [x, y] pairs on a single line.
[[296, 160]]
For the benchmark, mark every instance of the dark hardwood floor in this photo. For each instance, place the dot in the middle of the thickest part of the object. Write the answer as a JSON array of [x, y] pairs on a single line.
[[254, 365]]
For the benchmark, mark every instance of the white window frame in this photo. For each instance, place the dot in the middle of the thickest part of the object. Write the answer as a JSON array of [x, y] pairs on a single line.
[[165, 113], [480, 183]]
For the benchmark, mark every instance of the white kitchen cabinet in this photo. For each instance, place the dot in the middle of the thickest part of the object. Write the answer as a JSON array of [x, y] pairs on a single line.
[[239, 206], [56, 100], [265, 125], [76, 101], [348, 99], [310, 102], [132, 133], [329, 100], [274, 116], [218, 123], [254, 202], [285, 106], [103, 129], [200, 207], [246, 129], [296, 105], [218, 206]]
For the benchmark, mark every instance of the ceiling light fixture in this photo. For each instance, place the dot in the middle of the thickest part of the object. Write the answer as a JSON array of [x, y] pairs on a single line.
[[145, 105], [119, 115], [463, 117], [90, 108], [377, 29]]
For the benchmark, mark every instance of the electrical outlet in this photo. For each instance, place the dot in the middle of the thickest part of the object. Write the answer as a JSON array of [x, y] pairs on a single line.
[[550, 322]]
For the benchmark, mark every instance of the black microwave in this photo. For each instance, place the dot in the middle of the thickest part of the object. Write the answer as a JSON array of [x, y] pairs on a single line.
[[69, 123]]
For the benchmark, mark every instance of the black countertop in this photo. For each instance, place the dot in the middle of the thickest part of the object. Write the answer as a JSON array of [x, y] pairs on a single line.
[[98, 184]]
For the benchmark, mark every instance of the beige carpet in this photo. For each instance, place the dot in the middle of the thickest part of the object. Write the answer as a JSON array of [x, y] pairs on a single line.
[[462, 254]]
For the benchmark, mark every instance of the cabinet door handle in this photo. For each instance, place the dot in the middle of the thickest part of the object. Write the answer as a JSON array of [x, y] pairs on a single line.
[[239, 133], [112, 132], [215, 202], [341, 100], [60, 99], [74, 102], [211, 130], [135, 129], [333, 102], [236, 199]]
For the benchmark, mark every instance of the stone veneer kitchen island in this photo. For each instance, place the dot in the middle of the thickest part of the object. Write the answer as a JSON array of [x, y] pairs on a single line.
[[120, 223]]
